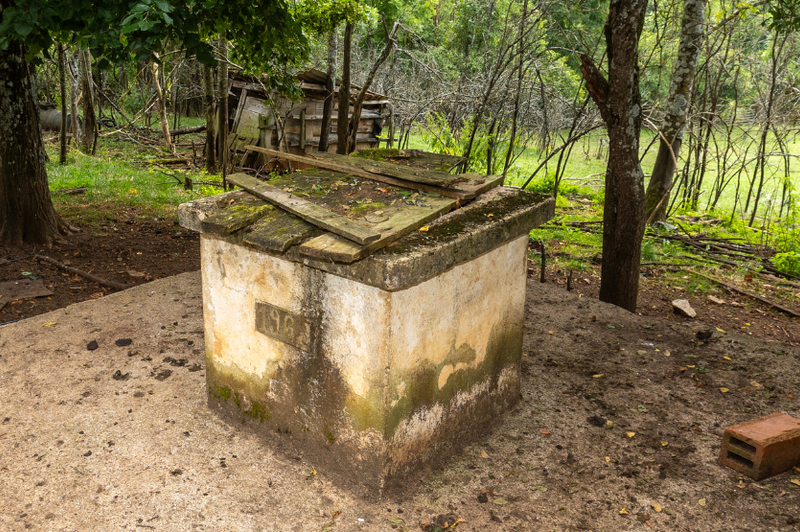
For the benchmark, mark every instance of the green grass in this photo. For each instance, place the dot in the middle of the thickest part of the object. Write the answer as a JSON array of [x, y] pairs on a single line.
[[586, 168], [118, 179]]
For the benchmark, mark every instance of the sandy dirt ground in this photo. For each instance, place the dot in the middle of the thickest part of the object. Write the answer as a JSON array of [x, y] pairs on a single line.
[[119, 437]]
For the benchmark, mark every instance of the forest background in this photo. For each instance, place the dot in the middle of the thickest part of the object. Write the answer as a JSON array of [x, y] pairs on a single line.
[[497, 82]]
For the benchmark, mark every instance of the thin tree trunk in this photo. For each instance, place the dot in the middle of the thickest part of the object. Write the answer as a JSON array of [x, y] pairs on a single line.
[[359, 102], [211, 150], [342, 122], [162, 107], [27, 215], [762, 155], [222, 107], [692, 33], [89, 130], [73, 96], [518, 94], [62, 86], [327, 110], [619, 101]]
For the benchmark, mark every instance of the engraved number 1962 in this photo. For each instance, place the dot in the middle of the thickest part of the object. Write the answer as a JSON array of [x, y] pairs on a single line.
[[283, 325]]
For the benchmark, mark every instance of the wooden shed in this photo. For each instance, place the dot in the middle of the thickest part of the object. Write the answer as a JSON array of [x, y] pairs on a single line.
[[276, 122]]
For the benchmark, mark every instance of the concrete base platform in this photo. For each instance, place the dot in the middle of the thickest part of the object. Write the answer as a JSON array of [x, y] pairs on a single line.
[[121, 437]]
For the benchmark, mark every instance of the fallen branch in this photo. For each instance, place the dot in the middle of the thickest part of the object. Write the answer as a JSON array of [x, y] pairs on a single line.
[[178, 160], [734, 288], [85, 275], [78, 190], [187, 130]]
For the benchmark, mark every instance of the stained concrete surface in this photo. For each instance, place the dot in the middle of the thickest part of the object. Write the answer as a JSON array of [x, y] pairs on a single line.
[[81, 450]]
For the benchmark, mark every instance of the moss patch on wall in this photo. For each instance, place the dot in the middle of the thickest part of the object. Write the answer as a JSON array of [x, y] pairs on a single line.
[[422, 382]]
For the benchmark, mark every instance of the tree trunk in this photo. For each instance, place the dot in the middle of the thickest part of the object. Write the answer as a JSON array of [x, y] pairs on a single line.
[[327, 110], [62, 86], [73, 96], [211, 152], [342, 123], [162, 107], [89, 131], [692, 34], [619, 101], [222, 108], [27, 215]]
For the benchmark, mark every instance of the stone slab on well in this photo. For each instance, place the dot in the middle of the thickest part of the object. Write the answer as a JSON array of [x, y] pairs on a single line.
[[379, 369]]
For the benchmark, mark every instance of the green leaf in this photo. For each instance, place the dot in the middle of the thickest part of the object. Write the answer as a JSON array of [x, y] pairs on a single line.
[[22, 28], [500, 501], [166, 7]]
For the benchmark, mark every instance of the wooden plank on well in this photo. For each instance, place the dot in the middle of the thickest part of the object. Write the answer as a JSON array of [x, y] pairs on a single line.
[[395, 221], [239, 214], [279, 232], [415, 175], [314, 160], [306, 210]]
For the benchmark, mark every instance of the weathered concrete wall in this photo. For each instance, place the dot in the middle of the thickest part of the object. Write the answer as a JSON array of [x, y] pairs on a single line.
[[374, 384]]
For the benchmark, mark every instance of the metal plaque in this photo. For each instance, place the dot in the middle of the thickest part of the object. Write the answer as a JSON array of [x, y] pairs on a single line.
[[282, 325]]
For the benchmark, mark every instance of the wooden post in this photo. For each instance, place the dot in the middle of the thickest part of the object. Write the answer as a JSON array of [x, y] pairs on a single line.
[[239, 107], [303, 129], [263, 140], [391, 128]]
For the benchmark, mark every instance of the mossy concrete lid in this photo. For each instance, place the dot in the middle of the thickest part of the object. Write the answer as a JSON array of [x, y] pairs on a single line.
[[447, 239]]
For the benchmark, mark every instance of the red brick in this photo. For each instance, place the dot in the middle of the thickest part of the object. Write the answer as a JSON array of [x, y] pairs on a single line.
[[762, 447]]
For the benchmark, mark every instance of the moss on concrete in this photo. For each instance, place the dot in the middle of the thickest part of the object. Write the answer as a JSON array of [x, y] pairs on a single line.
[[422, 382]]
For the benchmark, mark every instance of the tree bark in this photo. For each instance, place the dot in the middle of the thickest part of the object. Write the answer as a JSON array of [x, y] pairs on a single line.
[[211, 152], [89, 130], [162, 107], [680, 91], [342, 122], [27, 215], [327, 110], [62, 86], [619, 102]]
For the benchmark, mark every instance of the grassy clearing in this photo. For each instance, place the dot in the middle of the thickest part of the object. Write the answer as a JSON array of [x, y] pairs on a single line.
[[586, 167], [118, 179]]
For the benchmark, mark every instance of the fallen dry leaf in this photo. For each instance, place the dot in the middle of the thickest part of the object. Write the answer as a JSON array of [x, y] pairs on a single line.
[[657, 507], [664, 443], [724, 390], [703, 503], [49, 324], [597, 376], [631, 434], [742, 484], [608, 458], [500, 501], [483, 454], [546, 432], [623, 512], [795, 481], [424, 228], [727, 358]]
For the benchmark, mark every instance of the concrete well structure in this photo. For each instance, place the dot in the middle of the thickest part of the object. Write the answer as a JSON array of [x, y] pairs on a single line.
[[373, 371]]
